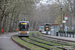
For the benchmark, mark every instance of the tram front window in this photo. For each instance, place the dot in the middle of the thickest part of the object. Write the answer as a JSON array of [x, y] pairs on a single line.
[[23, 28]]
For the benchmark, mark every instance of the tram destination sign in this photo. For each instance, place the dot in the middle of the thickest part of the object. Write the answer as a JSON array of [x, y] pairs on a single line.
[[24, 23]]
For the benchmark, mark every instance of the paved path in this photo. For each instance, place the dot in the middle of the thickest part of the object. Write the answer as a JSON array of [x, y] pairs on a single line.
[[63, 38], [7, 44]]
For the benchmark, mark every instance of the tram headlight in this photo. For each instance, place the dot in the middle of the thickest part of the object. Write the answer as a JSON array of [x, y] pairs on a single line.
[[27, 32], [47, 28]]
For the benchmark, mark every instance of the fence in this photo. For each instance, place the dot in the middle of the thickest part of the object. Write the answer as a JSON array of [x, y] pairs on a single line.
[[66, 34]]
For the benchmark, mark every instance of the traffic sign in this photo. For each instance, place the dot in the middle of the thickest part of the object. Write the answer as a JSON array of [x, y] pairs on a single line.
[[66, 18], [64, 21], [65, 15]]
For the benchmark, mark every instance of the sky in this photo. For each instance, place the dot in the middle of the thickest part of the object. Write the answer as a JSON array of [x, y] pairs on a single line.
[[45, 2]]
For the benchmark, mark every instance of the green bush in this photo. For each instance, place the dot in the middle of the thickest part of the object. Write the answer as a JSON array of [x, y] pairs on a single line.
[[69, 31]]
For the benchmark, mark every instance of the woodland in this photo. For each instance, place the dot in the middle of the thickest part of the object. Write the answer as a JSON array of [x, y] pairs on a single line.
[[36, 12]]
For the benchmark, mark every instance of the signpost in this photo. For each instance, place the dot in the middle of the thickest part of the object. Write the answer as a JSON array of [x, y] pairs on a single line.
[[66, 18], [64, 21]]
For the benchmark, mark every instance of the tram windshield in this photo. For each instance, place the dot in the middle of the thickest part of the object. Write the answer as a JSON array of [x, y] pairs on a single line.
[[23, 27]]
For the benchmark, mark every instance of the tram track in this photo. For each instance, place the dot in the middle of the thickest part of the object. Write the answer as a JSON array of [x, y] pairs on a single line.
[[63, 48], [49, 44], [58, 41], [34, 43], [19, 43], [54, 42], [45, 43]]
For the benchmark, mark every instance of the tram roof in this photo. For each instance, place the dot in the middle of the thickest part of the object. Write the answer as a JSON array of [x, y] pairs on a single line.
[[24, 21], [46, 23]]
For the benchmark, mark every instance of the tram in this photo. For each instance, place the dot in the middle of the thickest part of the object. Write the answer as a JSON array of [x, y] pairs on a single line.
[[24, 28], [47, 28], [41, 28]]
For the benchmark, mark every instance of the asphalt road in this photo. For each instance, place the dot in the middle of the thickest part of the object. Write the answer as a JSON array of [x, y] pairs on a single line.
[[7, 44]]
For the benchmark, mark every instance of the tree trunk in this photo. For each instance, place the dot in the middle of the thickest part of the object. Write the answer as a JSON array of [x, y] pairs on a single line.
[[0, 24], [7, 24], [3, 23]]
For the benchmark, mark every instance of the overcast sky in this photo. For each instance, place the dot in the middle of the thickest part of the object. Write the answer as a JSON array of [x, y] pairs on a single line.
[[45, 2]]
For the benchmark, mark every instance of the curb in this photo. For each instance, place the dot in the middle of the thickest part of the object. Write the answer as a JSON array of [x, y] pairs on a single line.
[[60, 39], [20, 44]]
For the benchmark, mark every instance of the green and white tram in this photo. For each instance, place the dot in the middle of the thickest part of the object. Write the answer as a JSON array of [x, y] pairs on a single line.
[[24, 28]]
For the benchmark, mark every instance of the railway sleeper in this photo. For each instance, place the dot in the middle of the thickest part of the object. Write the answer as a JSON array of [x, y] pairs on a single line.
[[53, 45], [58, 42], [36, 44], [20, 44], [49, 44]]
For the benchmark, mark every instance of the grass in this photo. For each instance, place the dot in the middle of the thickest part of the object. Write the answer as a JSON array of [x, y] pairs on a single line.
[[34, 47], [38, 43], [31, 46], [56, 41], [44, 41]]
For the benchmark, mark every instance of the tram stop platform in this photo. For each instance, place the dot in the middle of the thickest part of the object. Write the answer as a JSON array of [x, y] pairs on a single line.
[[69, 39]]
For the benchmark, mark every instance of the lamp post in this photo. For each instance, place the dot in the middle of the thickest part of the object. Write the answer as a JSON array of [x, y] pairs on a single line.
[[61, 15], [71, 17], [64, 21]]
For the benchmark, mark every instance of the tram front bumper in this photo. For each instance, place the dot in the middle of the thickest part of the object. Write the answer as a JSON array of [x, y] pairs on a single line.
[[21, 34]]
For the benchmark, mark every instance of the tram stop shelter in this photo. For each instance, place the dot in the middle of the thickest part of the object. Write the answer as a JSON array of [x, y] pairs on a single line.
[[54, 28]]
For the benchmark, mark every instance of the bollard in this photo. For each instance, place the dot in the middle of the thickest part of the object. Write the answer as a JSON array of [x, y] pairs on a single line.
[[56, 33], [67, 34], [70, 34], [64, 34], [2, 30], [73, 34], [60, 33]]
